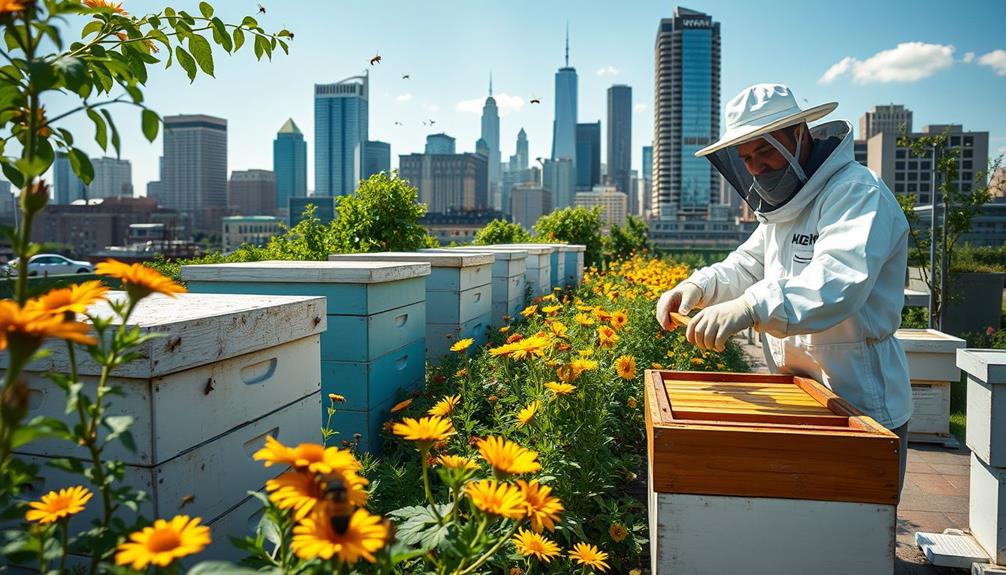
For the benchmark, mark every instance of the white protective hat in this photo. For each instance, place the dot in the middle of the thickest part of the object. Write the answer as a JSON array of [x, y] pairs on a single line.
[[761, 109]]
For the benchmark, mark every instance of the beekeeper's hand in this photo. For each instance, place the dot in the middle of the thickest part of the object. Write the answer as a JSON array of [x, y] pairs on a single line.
[[681, 299], [713, 326]]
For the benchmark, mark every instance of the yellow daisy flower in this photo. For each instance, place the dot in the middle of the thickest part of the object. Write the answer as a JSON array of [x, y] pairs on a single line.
[[56, 505], [529, 543], [560, 388], [529, 311], [617, 532], [315, 537], [526, 415], [139, 280], [25, 328], [457, 462], [584, 319], [496, 498], [74, 299], [558, 328], [462, 344], [163, 542], [626, 367], [508, 457], [424, 431], [589, 555], [606, 337], [551, 309], [618, 320], [542, 509], [445, 406]]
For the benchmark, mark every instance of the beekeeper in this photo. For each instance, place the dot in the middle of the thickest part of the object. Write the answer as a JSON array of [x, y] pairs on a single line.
[[822, 277]]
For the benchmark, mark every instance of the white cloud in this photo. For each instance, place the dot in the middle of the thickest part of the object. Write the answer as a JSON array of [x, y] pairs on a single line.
[[996, 60], [506, 103], [639, 107], [608, 71], [403, 97], [908, 62], [969, 57], [433, 108]]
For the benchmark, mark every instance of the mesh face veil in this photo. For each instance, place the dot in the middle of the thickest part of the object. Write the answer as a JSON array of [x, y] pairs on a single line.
[[767, 191]]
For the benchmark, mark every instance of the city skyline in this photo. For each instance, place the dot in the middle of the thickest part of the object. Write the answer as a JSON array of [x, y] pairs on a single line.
[[858, 69]]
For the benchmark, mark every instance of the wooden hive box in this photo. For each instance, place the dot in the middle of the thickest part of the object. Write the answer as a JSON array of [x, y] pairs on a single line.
[[729, 452], [375, 344], [227, 372], [458, 294], [509, 285], [932, 367]]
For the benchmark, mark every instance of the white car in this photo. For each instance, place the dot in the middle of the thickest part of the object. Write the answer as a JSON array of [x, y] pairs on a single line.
[[53, 264]]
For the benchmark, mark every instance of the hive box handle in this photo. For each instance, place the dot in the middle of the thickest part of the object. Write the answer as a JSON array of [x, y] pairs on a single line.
[[253, 444], [258, 372], [478, 295], [400, 320], [402, 362]]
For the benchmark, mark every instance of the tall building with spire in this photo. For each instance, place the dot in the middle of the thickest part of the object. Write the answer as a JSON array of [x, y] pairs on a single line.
[[289, 163], [564, 125], [341, 131], [521, 155], [686, 108], [491, 135]]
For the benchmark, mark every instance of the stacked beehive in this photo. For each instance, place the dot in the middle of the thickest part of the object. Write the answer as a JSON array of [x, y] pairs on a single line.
[[537, 265], [458, 294], [509, 280], [374, 348], [931, 367], [986, 437], [766, 474], [226, 372]]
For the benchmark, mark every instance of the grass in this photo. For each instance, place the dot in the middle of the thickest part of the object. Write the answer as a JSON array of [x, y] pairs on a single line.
[[958, 407]]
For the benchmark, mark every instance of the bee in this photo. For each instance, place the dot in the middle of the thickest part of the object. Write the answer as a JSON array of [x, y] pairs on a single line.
[[186, 499], [337, 499]]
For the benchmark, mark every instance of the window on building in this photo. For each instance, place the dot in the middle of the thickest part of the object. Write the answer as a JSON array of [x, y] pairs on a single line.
[[969, 141], [966, 187], [912, 187], [899, 165], [967, 153], [899, 188], [926, 165], [900, 153], [913, 165], [924, 187], [955, 140], [923, 198], [899, 177], [966, 164]]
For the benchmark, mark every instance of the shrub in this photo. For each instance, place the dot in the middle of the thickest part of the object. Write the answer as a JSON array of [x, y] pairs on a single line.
[[573, 225], [501, 232]]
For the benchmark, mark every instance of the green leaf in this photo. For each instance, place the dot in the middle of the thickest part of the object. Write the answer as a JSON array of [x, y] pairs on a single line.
[[259, 50], [419, 526], [92, 27], [186, 62], [223, 568], [12, 174], [239, 39], [206, 10], [202, 52], [220, 35], [116, 143], [72, 71], [81, 165], [100, 129], [249, 22], [39, 428], [150, 124]]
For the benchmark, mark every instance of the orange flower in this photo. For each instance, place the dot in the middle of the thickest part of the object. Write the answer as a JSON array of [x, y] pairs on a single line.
[[618, 320], [99, 4], [7, 6], [541, 507], [139, 280], [73, 299], [626, 367], [401, 405], [606, 336], [25, 328]]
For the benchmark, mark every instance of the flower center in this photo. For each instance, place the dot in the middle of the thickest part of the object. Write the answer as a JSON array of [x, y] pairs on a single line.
[[162, 540]]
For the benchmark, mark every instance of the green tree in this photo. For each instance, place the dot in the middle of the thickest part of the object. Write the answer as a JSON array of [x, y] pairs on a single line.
[[631, 238], [573, 225], [501, 232], [383, 215]]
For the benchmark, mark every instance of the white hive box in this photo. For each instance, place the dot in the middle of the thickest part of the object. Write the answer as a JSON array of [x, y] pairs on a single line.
[[987, 508], [932, 367], [986, 432], [375, 345], [509, 285], [228, 371], [458, 294], [538, 266]]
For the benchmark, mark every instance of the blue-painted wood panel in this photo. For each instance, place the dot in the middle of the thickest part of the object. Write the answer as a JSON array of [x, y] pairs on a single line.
[[371, 384], [458, 307], [364, 338]]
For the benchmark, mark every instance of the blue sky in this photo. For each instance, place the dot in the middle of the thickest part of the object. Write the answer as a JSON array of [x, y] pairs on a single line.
[[939, 59]]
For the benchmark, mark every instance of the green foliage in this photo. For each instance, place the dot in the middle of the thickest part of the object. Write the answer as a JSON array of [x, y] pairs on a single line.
[[573, 225], [914, 317], [383, 215], [629, 239], [501, 232]]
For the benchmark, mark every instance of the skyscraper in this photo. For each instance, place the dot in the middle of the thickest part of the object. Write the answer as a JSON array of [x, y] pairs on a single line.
[[491, 134], [289, 163], [194, 171], [376, 158], [340, 126], [559, 178], [564, 125], [588, 153], [522, 155], [113, 178], [448, 182], [252, 192], [440, 144], [620, 137], [892, 119], [686, 109], [67, 186]]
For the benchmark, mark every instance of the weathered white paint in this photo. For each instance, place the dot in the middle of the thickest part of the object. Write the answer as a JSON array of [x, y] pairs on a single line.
[[986, 431], [987, 507], [988, 365], [178, 411], [217, 474], [435, 259], [197, 329], [354, 272], [932, 354], [930, 408], [952, 548], [699, 534]]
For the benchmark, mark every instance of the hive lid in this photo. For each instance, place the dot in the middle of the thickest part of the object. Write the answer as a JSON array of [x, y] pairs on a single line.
[[928, 341], [988, 365], [510, 254], [357, 272], [437, 260], [534, 249], [197, 329]]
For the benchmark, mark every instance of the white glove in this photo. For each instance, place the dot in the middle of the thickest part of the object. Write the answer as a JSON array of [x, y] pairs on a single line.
[[714, 325], [681, 299]]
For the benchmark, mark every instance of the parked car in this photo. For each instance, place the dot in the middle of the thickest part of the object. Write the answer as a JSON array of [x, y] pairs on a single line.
[[51, 264]]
